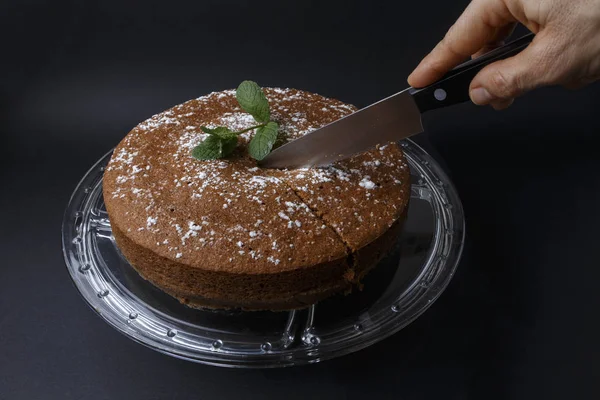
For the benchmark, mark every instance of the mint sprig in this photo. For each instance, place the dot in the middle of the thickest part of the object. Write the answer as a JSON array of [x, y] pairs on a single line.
[[222, 141]]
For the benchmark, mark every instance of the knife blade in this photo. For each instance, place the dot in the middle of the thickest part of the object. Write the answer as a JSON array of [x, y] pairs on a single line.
[[394, 118], [390, 119]]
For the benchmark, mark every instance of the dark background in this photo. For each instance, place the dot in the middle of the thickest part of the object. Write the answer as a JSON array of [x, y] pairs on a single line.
[[519, 320]]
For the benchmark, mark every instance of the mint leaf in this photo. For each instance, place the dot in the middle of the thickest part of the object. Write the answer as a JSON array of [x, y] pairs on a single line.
[[210, 149], [252, 100], [221, 143], [262, 142], [228, 145]]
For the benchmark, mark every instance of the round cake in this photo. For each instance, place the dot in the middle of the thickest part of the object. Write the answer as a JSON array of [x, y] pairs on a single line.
[[227, 234]]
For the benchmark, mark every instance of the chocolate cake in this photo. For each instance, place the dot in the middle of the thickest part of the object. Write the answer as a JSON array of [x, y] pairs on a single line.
[[227, 234]]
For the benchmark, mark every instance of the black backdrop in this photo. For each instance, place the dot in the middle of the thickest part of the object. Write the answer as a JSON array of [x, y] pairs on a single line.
[[520, 319]]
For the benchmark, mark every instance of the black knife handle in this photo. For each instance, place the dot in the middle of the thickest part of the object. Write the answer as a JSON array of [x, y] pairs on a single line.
[[453, 88]]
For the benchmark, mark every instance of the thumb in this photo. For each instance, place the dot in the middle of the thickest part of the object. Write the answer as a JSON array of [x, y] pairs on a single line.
[[500, 82]]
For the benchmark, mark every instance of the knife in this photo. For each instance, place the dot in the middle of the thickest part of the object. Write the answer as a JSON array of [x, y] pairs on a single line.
[[392, 119]]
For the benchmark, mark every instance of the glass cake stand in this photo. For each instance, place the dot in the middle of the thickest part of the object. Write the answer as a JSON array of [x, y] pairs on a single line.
[[395, 293]]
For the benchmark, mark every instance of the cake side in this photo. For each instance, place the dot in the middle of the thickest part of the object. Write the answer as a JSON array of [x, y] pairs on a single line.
[[220, 289], [283, 291]]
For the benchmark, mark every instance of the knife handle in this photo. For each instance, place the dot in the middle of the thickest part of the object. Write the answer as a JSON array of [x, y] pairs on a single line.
[[453, 88]]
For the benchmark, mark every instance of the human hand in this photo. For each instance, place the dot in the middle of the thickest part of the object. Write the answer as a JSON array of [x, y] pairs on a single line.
[[565, 50]]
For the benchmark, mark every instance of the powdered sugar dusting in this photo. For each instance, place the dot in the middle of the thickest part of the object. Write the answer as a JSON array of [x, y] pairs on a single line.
[[238, 205], [367, 183]]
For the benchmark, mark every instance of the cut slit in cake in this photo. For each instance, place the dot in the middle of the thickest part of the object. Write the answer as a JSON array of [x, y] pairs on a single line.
[[228, 234]]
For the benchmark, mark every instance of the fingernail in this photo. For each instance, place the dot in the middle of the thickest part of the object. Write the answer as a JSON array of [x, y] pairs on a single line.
[[480, 96]]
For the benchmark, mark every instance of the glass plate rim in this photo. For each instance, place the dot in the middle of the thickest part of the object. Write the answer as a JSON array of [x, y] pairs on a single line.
[[447, 198]]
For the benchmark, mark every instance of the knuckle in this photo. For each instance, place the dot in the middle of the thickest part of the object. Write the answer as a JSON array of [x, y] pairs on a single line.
[[449, 44], [446, 45], [505, 87], [438, 67]]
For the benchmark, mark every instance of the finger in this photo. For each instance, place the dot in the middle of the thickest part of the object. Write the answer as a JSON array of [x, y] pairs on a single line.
[[497, 40], [473, 29], [502, 104], [506, 79]]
